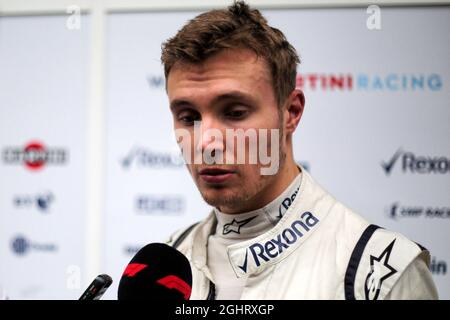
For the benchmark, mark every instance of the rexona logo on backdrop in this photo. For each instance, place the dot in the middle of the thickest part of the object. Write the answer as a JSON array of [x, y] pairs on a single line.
[[35, 155], [163, 205], [409, 162], [390, 82], [146, 158], [399, 211], [21, 246]]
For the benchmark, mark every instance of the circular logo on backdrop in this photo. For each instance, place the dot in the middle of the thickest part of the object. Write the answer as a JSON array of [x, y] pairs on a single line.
[[20, 245], [34, 156]]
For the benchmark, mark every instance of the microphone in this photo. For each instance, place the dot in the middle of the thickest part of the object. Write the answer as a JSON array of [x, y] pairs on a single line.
[[156, 272], [97, 288]]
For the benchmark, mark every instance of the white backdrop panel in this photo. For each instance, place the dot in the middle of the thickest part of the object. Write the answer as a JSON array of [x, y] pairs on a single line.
[[43, 92]]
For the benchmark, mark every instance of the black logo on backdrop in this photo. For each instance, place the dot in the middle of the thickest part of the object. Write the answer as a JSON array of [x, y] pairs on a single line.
[[131, 250], [42, 202], [418, 164], [141, 157], [21, 246], [398, 211], [153, 204], [438, 267]]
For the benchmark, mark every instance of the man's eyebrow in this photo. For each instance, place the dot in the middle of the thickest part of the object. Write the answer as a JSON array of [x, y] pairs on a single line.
[[235, 96], [179, 103], [229, 96]]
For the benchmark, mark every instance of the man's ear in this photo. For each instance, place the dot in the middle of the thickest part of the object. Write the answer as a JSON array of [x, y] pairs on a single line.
[[294, 110]]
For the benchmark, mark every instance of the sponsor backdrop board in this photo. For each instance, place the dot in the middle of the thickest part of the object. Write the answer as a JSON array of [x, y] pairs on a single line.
[[43, 94], [373, 132]]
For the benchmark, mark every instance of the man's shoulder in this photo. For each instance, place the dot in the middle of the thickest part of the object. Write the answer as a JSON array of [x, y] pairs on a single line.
[[357, 232], [375, 257], [177, 238], [377, 262], [182, 239]]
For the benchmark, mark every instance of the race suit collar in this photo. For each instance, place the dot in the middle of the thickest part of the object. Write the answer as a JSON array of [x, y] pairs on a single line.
[[298, 223], [244, 226]]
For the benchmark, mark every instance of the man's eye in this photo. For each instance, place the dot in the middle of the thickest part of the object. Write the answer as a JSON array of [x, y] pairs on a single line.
[[236, 114], [188, 118]]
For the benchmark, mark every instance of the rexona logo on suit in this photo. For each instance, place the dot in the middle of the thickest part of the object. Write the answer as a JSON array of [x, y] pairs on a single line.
[[264, 252]]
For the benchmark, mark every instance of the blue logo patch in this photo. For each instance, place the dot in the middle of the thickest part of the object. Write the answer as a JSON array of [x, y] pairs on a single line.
[[264, 252], [20, 245]]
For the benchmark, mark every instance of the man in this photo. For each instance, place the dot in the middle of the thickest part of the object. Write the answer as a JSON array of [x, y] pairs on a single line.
[[274, 232]]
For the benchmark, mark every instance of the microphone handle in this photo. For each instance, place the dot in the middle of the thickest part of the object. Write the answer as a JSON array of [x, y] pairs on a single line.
[[97, 288]]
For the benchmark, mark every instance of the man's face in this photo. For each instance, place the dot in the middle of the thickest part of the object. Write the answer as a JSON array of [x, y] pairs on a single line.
[[231, 90]]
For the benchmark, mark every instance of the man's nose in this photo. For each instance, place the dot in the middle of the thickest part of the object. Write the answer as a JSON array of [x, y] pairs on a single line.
[[211, 136]]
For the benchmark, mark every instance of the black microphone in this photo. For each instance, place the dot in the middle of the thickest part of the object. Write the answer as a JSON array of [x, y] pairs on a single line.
[[156, 272], [97, 288]]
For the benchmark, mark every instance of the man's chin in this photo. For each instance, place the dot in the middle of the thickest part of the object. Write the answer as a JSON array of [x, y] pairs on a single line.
[[220, 197]]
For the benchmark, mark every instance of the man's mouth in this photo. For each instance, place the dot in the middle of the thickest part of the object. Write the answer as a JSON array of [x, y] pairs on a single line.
[[215, 175]]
